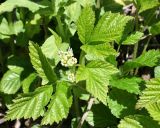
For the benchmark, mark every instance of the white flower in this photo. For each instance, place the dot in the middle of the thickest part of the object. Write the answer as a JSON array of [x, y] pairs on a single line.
[[71, 76], [70, 52], [71, 61], [67, 58]]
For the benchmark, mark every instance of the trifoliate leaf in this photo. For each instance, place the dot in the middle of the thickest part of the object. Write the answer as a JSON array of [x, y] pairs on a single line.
[[110, 28], [98, 52], [59, 106], [41, 64], [85, 24], [151, 94], [11, 82], [9, 5], [128, 84], [97, 75], [133, 38], [149, 59], [30, 105]]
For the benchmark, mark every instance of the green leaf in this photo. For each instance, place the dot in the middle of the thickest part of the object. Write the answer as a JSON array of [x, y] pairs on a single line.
[[27, 82], [41, 64], [150, 17], [151, 94], [112, 5], [100, 116], [98, 52], [149, 59], [145, 121], [85, 24], [10, 82], [155, 29], [97, 75], [157, 72], [11, 28], [116, 108], [30, 105], [121, 103], [72, 12], [110, 27], [128, 122], [128, 84], [142, 120], [9, 5], [154, 110], [18, 63], [51, 47], [133, 38], [85, 3], [144, 5], [59, 106]]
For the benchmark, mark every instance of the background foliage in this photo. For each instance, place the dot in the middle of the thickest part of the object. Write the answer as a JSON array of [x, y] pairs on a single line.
[[79, 63]]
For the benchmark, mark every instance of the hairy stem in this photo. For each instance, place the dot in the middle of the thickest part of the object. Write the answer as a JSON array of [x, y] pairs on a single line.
[[85, 114]]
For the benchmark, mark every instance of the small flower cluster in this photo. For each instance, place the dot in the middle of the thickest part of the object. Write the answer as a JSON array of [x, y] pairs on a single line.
[[67, 59], [71, 76]]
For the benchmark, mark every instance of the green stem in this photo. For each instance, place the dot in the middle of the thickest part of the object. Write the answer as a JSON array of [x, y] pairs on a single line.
[[60, 27], [76, 103], [1, 60], [12, 46], [144, 50], [146, 45], [82, 58], [45, 28], [136, 45], [76, 107], [119, 46], [98, 4]]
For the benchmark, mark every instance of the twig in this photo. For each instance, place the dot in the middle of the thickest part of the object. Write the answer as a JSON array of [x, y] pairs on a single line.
[[83, 118], [2, 121], [17, 124]]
